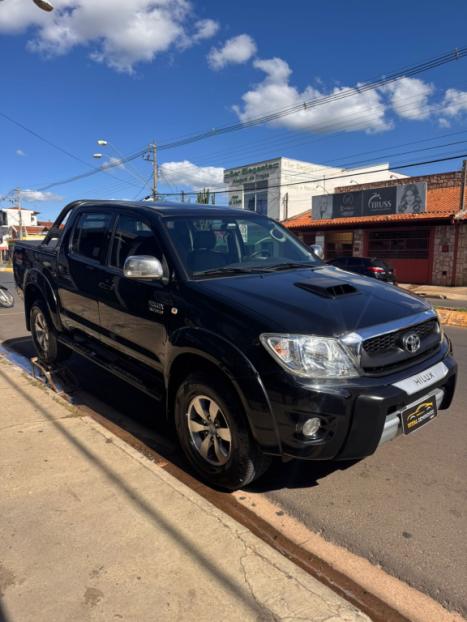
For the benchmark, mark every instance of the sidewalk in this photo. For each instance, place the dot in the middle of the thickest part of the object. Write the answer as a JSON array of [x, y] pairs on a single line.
[[92, 530], [437, 291]]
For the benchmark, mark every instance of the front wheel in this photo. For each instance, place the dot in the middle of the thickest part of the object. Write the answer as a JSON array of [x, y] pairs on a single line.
[[48, 348], [214, 433]]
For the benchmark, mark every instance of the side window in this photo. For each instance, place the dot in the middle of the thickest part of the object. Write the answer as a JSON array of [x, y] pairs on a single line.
[[132, 237], [89, 237], [55, 233]]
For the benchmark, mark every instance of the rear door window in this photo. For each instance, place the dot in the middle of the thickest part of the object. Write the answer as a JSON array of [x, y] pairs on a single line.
[[91, 234]]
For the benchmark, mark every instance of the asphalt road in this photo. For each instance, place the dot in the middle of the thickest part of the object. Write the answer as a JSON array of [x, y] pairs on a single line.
[[404, 508]]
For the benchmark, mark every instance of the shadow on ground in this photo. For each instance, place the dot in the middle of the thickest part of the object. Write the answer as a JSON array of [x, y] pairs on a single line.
[[143, 418]]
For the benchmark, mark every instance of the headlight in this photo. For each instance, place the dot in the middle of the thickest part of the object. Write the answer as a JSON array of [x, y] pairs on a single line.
[[310, 356]]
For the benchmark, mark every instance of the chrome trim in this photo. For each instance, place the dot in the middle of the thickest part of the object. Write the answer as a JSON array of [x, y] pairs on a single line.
[[355, 339], [393, 425]]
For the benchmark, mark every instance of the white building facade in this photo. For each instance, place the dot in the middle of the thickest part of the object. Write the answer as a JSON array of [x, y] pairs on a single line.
[[13, 218], [282, 187]]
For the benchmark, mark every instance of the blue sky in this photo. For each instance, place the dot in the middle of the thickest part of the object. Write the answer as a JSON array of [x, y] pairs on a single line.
[[131, 71]]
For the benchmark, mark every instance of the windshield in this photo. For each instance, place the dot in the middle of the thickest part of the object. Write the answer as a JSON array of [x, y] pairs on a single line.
[[231, 245]]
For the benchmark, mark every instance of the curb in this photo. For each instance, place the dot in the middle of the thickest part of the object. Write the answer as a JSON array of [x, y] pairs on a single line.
[[452, 317], [6, 269]]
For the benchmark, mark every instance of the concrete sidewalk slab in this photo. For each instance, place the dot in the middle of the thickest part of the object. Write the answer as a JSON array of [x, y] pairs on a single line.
[[436, 291], [92, 530]]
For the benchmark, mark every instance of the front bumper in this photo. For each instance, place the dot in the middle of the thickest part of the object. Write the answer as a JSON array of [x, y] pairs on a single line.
[[357, 416]]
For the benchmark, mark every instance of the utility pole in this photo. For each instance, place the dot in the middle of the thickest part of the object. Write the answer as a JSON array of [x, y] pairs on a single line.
[[463, 186], [151, 156], [20, 213]]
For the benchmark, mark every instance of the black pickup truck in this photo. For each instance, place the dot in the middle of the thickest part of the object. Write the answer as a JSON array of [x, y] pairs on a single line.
[[251, 344]]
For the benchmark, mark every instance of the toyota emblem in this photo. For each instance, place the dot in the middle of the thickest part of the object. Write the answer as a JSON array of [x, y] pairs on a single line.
[[411, 342]]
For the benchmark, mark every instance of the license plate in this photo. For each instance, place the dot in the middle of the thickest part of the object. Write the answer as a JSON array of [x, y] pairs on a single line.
[[416, 416]]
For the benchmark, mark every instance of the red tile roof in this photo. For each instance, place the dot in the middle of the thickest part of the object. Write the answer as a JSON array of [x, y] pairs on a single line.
[[442, 204]]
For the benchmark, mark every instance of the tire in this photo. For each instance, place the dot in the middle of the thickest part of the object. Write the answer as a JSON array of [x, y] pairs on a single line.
[[44, 335], [6, 299], [214, 433]]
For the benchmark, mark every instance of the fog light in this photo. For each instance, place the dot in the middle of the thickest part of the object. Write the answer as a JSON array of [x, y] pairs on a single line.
[[311, 426]]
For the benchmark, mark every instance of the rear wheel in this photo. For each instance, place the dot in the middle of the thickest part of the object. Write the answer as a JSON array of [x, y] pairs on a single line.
[[214, 433], [44, 335], [6, 299]]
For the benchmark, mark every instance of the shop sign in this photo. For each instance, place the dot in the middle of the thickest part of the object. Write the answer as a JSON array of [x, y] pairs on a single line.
[[401, 199], [249, 173]]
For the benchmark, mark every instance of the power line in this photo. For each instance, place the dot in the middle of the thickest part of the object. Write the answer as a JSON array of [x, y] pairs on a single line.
[[58, 147], [342, 176], [305, 105], [332, 127], [319, 101]]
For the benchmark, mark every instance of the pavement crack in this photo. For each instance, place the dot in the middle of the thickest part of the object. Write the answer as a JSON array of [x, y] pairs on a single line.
[[265, 612]]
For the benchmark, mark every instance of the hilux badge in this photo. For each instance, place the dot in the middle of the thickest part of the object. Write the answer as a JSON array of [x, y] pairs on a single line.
[[411, 342]]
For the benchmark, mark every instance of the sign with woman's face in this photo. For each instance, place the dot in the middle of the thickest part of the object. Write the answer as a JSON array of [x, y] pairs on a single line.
[[411, 198], [408, 198], [322, 207]]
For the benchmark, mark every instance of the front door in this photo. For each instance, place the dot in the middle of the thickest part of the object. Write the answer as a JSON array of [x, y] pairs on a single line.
[[133, 312]]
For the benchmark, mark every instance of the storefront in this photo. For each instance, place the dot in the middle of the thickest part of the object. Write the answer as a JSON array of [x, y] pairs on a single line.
[[428, 246]]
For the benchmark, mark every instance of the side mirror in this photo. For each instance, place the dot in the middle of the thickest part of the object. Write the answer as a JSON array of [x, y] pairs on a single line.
[[317, 249], [143, 267]]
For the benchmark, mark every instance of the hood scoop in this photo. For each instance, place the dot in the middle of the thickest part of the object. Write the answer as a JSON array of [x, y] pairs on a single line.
[[328, 288]]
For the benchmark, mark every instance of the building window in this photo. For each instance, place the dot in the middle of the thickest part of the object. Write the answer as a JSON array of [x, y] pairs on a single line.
[[256, 197], [397, 244]]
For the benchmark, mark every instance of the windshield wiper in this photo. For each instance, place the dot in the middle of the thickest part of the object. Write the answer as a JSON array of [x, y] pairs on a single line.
[[289, 266], [221, 271]]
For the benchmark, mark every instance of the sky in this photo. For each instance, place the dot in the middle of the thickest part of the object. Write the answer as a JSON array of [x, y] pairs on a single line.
[[137, 71]]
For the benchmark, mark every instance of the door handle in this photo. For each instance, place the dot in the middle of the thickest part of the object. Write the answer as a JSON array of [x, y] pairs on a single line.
[[106, 286]]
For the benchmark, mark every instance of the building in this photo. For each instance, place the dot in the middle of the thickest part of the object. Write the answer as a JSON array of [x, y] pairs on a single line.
[[283, 187], [426, 245], [15, 223]]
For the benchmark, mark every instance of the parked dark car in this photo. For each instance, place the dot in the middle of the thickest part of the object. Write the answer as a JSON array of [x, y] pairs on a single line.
[[251, 344], [368, 266]]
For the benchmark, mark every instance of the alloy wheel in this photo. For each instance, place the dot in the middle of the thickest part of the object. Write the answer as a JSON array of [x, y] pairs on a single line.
[[41, 332], [209, 430]]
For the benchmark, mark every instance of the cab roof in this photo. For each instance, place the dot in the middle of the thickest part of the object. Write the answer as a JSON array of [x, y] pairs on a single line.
[[166, 208]]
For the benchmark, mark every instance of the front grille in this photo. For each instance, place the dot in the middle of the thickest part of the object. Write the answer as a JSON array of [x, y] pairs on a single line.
[[390, 341], [385, 353]]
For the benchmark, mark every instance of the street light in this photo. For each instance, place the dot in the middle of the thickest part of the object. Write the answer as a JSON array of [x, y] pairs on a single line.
[[44, 5], [321, 186], [101, 142]]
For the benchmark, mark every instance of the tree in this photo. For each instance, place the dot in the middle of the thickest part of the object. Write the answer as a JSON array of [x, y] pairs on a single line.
[[203, 196]]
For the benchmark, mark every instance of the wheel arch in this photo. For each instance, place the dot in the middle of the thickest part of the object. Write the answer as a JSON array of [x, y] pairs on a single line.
[[37, 286], [224, 360]]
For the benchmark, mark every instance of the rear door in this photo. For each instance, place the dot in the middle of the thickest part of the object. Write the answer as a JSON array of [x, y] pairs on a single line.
[[134, 312], [80, 269]]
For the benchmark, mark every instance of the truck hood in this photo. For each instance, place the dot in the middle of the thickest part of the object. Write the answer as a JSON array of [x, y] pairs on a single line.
[[325, 301]]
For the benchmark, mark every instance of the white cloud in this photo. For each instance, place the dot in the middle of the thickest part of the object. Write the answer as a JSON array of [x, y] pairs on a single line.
[[20, 152], [119, 33], [361, 111], [113, 163], [454, 103], [186, 173], [409, 98], [205, 29], [36, 195], [234, 51]]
